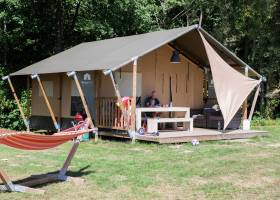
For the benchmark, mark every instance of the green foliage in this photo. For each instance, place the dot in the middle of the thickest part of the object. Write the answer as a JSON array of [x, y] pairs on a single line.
[[9, 114], [33, 30], [270, 109]]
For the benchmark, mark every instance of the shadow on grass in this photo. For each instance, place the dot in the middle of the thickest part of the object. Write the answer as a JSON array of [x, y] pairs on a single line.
[[75, 174]]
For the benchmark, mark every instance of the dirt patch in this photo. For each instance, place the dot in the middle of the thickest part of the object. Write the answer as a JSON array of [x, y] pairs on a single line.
[[177, 146], [255, 181], [141, 150], [167, 191], [198, 181], [276, 145]]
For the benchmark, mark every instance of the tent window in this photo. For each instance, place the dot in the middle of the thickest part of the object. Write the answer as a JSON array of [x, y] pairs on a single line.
[[48, 87]]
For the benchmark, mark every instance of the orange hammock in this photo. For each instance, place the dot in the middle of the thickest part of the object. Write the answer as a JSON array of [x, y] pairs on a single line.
[[31, 141]]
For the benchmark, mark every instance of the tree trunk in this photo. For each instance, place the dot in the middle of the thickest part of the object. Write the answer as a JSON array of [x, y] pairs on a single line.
[[59, 41]]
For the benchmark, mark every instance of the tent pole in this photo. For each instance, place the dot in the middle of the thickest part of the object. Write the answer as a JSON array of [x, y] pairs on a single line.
[[56, 125], [133, 102], [60, 99], [254, 102], [81, 93], [118, 94], [17, 102], [245, 104], [28, 106]]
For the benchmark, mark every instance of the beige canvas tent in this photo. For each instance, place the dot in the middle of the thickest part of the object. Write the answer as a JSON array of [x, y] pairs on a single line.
[[104, 71]]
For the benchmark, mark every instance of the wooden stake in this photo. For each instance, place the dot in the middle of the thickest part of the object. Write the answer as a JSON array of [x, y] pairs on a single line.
[[254, 102], [133, 102], [81, 93], [56, 125], [17, 102]]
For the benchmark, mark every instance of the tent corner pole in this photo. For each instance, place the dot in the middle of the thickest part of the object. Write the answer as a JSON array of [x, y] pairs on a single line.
[[245, 104], [133, 102], [254, 102], [56, 125], [17, 101], [73, 74]]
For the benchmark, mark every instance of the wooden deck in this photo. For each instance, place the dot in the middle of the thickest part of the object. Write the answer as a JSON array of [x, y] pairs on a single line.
[[185, 136], [200, 134]]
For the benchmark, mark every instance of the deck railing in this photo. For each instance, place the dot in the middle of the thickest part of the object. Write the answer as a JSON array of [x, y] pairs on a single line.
[[109, 115]]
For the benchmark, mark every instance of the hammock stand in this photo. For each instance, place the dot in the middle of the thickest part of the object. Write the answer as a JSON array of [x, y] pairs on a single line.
[[26, 187]]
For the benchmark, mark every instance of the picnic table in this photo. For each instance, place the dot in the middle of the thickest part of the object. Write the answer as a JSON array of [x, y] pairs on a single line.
[[152, 123]]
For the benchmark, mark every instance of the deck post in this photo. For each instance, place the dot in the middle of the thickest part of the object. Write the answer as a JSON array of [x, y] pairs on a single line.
[[17, 102], [254, 102], [245, 104], [133, 102], [81, 93], [56, 125]]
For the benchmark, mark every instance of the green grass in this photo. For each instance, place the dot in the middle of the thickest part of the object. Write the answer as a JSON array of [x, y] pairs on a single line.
[[240, 169]]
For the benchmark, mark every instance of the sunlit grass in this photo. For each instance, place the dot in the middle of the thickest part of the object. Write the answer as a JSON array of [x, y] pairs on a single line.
[[240, 169]]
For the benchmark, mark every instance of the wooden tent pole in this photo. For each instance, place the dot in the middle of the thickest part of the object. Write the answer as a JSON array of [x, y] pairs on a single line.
[[17, 102], [133, 102], [254, 102], [118, 94], [56, 125], [81, 93], [28, 111], [60, 99], [245, 104]]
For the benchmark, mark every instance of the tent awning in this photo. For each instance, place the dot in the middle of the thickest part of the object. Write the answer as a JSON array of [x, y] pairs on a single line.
[[104, 54], [112, 54], [231, 87]]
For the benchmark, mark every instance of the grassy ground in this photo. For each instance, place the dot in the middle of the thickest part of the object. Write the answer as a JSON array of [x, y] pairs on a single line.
[[241, 169]]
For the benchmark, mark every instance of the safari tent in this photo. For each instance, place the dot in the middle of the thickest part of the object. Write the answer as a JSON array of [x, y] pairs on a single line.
[[185, 66]]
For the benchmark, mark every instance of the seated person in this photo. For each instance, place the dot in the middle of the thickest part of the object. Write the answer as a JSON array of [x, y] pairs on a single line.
[[152, 101]]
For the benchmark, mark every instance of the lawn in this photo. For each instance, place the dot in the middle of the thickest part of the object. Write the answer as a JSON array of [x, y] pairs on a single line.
[[240, 169]]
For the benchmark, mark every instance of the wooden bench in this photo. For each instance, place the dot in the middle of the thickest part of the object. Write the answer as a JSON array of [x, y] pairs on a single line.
[[152, 123]]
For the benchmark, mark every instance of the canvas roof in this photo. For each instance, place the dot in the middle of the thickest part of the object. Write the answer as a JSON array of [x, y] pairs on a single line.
[[117, 52]]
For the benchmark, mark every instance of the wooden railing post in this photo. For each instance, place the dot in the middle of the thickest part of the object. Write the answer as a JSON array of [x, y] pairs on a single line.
[[56, 125], [26, 123]]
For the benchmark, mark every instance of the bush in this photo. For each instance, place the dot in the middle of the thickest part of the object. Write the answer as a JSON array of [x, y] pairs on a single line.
[[9, 114]]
